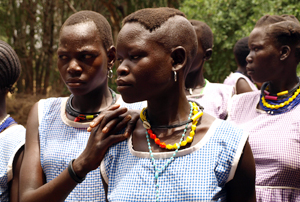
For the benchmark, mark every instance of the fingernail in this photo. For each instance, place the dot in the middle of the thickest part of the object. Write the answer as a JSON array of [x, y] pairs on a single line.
[[105, 130], [126, 134], [128, 117], [92, 124], [89, 129]]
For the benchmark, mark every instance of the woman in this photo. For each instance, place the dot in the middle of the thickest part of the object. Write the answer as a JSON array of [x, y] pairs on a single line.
[[271, 115], [57, 139], [12, 135], [174, 154]]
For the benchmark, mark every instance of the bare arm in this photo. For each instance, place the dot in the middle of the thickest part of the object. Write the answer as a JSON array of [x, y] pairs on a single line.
[[33, 186], [14, 184], [242, 186], [242, 86]]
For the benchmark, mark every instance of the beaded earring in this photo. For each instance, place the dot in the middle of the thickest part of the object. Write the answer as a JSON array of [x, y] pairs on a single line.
[[110, 73], [175, 75]]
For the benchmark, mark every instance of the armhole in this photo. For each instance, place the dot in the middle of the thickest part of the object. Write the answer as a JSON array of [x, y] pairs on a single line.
[[40, 110], [103, 171], [237, 156], [11, 161]]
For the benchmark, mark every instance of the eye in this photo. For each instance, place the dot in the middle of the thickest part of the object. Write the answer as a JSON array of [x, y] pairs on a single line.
[[134, 57], [120, 60], [62, 57], [87, 56]]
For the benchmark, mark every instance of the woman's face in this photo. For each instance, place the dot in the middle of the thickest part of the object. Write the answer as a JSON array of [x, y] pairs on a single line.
[[145, 69], [82, 59], [264, 58]]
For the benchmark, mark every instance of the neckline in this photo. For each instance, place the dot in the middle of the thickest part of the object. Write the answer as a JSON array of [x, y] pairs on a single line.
[[183, 152]]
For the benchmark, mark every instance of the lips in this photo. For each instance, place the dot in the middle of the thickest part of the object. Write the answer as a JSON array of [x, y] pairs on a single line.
[[74, 82], [122, 85]]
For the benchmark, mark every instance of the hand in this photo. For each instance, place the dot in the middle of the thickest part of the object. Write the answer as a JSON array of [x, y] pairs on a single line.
[[101, 138], [116, 124]]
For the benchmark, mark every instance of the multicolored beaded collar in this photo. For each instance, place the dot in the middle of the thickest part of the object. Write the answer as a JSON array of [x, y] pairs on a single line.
[[6, 122], [81, 116], [281, 102], [157, 171], [194, 119]]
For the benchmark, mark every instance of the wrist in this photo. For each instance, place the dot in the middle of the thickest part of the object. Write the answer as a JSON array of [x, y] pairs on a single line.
[[75, 174]]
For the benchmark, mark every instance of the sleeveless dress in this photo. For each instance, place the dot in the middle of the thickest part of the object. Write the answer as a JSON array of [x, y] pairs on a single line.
[[198, 173], [62, 140], [275, 143], [214, 98], [11, 140], [235, 76]]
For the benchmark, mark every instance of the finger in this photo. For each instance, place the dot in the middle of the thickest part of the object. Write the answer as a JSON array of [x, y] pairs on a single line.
[[131, 125], [121, 125], [99, 118]]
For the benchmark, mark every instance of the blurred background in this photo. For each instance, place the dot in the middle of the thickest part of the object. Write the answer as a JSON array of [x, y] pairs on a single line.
[[31, 27]]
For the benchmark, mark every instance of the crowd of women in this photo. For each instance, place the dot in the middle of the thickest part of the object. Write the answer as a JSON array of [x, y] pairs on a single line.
[[170, 135]]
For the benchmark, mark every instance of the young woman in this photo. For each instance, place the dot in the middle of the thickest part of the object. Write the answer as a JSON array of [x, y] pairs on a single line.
[[176, 153], [239, 79], [59, 161], [271, 116], [12, 135], [214, 97]]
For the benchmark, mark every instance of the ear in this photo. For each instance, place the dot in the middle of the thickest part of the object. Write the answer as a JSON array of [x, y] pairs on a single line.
[[179, 57], [284, 52], [208, 54], [111, 56]]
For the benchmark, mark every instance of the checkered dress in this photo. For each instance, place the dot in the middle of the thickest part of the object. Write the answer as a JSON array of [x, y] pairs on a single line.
[[234, 77], [198, 173], [62, 140], [275, 143], [11, 140], [214, 98]]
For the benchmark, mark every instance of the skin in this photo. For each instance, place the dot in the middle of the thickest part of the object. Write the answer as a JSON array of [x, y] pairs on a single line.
[[242, 86], [167, 104], [83, 63], [195, 78], [267, 62]]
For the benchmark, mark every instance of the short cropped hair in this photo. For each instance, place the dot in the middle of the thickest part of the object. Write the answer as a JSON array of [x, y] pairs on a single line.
[[154, 18], [10, 67], [241, 51], [103, 27], [283, 30], [204, 34]]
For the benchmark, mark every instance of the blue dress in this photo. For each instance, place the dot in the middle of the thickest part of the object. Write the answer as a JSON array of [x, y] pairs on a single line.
[[11, 140], [62, 140], [198, 173]]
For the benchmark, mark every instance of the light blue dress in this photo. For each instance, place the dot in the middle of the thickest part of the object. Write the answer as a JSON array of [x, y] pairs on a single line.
[[11, 140], [62, 140], [198, 173]]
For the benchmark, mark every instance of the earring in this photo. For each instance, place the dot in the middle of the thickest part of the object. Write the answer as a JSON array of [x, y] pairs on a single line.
[[175, 75], [110, 73]]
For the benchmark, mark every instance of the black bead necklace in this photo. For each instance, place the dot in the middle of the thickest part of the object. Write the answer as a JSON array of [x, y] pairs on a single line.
[[81, 116]]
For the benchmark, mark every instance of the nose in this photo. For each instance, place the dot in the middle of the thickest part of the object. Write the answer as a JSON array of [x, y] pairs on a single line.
[[249, 58], [74, 68], [122, 69]]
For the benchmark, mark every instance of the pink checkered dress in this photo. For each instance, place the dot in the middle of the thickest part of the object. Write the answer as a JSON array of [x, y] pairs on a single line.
[[234, 77], [275, 143]]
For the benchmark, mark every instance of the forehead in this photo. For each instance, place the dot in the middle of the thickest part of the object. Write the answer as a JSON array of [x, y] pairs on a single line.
[[258, 34], [133, 34], [79, 34]]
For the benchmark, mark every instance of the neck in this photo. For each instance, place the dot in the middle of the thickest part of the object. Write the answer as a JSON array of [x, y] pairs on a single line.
[[94, 101], [195, 79], [3, 112], [282, 85], [242, 70], [172, 110]]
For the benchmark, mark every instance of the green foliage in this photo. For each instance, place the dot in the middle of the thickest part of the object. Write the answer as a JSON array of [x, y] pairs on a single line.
[[231, 20]]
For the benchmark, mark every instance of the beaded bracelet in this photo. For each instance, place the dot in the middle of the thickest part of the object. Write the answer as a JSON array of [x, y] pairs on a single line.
[[73, 175]]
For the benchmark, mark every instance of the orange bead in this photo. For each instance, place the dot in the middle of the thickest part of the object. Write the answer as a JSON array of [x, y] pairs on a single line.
[[162, 145], [157, 141]]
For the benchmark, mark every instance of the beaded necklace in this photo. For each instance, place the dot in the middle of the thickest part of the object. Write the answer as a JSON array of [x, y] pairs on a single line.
[[7, 121], [158, 171], [81, 116], [281, 102], [189, 139]]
